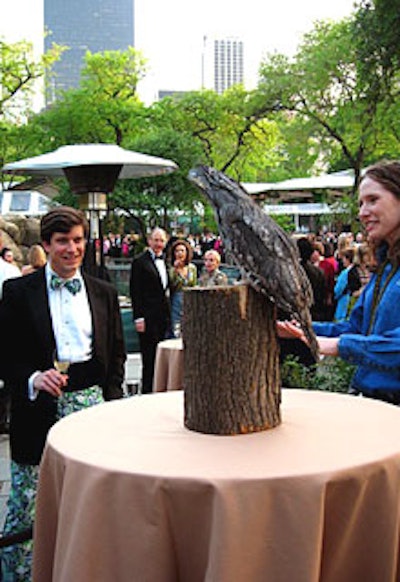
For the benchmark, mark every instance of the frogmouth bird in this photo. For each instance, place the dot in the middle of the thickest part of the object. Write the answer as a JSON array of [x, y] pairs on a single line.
[[266, 256]]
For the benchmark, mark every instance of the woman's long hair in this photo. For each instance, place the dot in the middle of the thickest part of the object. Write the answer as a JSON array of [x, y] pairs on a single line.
[[386, 173]]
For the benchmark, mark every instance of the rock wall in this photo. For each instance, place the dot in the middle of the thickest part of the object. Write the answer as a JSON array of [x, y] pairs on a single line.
[[19, 233]]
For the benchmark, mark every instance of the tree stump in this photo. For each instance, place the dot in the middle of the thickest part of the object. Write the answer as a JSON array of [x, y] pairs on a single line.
[[231, 361]]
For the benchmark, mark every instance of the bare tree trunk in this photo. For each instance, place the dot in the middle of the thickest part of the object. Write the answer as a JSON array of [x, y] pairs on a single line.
[[231, 361]]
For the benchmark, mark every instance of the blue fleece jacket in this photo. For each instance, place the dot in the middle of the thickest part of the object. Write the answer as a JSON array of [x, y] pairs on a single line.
[[377, 354]]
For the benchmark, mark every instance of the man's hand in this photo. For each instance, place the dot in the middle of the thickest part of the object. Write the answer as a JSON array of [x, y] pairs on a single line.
[[140, 325], [51, 381]]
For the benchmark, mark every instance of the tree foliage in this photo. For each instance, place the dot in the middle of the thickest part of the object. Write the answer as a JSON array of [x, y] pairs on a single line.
[[233, 137], [332, 106], [104, 109], [19, 72], [375, 27], [201, 127], [19, 69], [154, 201], [325, 85]]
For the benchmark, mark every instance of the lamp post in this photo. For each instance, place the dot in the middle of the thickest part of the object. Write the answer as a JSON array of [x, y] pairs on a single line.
[[92, 171]]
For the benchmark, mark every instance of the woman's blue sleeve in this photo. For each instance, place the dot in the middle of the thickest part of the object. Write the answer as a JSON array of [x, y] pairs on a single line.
[[352, 325], [381, 352]]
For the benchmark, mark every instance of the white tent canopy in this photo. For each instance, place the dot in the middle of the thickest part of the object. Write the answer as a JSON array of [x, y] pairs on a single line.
[[299, 209], [303, 187]]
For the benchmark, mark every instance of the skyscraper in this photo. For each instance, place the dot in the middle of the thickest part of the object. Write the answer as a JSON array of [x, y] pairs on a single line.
[[222, 63], [82, 25]]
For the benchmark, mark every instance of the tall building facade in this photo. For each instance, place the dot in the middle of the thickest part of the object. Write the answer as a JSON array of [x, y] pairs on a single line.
[[82, 25], [222, 63]]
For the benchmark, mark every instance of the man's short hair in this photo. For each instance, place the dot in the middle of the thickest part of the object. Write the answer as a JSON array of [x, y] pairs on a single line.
[[62, 219]]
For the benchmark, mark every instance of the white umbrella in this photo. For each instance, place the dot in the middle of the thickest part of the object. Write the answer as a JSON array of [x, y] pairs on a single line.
[[133, 164]]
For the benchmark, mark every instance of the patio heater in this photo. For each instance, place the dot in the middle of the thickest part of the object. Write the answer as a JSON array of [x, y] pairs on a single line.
[[92, 171], [92, 183]]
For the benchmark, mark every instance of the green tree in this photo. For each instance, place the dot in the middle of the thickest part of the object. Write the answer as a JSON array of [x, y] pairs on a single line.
[[19, 69], [105, 108], [109, 80], [324, 85], [377, 46], [225, 131], [233, 136], [375, 28], [157, 200], [19, 72]]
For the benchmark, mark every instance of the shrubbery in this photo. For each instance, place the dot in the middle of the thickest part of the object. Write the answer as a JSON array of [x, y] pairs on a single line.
[[330, 374]]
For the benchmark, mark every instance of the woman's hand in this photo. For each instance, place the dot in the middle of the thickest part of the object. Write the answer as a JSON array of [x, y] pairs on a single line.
[[328, 346], [290, 330], [179, 264]]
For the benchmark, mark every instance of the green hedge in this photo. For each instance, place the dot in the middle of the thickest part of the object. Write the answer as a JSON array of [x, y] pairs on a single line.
[[330, 374]]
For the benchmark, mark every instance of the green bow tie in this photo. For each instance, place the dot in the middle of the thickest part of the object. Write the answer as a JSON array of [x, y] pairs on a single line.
[[73, 285]]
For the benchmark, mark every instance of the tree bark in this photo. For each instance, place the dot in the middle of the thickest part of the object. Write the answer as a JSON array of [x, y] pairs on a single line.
[[231, 361]]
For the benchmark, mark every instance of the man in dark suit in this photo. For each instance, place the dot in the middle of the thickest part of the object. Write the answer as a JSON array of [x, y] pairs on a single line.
[[149, 287], [55, 313]]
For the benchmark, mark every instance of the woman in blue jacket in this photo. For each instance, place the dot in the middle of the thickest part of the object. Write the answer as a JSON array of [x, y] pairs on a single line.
[[371, 337]]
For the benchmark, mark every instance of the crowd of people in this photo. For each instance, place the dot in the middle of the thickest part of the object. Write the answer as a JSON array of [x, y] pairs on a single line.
[[124, 246], [345, 263], [54, 311]]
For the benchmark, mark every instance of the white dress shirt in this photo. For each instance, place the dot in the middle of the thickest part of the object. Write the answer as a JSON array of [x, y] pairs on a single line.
[[72, 324], [161, 268], [71, 319]]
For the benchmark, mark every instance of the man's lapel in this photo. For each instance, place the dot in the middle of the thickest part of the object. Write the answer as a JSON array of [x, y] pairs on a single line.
[[97, 308], [41, 310], [153, 268]]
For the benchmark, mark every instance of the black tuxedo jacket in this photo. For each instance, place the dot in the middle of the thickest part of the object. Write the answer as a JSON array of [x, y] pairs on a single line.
[[27, 345], [149, 299]]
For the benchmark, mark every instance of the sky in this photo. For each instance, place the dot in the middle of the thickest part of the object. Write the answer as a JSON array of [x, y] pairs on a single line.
[[170, 33]]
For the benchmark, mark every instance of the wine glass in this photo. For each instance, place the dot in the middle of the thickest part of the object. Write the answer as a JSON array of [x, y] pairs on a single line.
[[177, 330], [61, 364]]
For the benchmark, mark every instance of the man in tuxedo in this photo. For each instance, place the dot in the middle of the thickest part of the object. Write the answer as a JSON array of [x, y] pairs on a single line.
[[149, 288], [56, 313]]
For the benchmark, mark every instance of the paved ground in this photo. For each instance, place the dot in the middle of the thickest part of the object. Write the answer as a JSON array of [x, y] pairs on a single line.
[[132, 381]]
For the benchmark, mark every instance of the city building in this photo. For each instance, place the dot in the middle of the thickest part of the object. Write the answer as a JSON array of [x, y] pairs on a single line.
[[222, 63], [85, 25]]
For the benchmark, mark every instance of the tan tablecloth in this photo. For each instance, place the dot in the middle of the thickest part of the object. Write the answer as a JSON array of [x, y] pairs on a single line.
[[128, 494], [168, 369]]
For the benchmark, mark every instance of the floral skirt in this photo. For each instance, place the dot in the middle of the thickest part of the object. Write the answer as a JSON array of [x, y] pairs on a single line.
[[16, 560]]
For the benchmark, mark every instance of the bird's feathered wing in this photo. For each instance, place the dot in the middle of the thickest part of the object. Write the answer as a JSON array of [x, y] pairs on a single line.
[[266, 255]]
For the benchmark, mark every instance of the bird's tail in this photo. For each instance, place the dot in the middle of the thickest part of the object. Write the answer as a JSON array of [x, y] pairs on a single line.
[[306, 326]]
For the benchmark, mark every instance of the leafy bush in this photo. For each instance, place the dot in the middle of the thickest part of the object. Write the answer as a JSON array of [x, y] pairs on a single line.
[[330, 374]]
